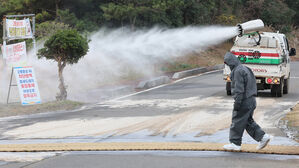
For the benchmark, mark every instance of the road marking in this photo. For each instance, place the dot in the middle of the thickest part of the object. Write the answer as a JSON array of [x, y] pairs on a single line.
[[137, 146]]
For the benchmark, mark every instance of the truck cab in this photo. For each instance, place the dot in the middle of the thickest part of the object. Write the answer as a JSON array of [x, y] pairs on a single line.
[[267, 54]]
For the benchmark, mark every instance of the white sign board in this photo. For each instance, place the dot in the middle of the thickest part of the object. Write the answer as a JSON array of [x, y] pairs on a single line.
[[27, 84], [18, 28], [13, 53]]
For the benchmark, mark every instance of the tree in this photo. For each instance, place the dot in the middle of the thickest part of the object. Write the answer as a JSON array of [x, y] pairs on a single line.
[[277, 14], [172, 10], [48, 28], [294, 4], [199, 12], [253, 9], [65, 47], [57, 4], [144, 13], [121, 13]]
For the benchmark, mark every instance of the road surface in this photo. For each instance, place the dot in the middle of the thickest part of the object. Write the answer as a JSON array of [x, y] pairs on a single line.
[[194, 109]]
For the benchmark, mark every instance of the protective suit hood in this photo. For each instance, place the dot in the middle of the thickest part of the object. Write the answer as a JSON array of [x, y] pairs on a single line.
[[231, 60]]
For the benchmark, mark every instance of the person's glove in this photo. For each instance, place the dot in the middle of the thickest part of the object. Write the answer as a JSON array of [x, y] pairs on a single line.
[[237, 106]]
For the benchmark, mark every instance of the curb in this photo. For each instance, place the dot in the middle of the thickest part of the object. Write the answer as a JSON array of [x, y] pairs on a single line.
[[153, 82], [141, 146], [146, 84], [196, 71]]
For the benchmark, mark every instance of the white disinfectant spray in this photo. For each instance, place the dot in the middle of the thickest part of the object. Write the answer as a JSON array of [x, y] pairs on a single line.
[[115, 53]]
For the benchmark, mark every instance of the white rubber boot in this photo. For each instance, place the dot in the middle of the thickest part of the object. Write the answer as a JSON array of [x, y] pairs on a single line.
[[232, 146], [264, 142]]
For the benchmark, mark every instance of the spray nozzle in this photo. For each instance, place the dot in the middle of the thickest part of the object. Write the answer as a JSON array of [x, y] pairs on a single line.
[[252, 25]]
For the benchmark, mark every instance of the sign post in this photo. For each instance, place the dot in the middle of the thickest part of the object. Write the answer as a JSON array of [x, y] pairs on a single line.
[[14, 29], [10, 85], [18, 29]]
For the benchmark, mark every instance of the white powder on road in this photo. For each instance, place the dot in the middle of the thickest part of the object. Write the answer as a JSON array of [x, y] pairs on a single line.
[[208, 115], [170, 103]]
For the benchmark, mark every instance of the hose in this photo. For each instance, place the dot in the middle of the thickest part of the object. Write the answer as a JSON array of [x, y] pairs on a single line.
[[253, 34]]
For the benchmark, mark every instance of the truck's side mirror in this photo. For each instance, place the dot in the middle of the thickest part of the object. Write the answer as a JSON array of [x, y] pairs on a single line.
[[292, 52]]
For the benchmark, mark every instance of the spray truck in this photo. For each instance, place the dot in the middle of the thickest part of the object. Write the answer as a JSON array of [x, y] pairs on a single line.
[[267, 54]]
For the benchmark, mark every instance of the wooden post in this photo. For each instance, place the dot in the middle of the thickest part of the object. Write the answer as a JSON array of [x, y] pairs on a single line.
[[10, 85], [33, 35], [4, 41]]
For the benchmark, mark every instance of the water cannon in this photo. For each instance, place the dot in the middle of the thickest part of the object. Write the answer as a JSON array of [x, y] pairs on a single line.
[[252, 25]]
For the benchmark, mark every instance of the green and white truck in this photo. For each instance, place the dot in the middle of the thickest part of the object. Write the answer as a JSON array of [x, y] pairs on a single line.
[[267, 54]]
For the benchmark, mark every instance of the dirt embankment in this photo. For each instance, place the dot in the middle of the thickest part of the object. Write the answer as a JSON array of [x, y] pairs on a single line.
[[291, 121], [293, 117], [210, 57]]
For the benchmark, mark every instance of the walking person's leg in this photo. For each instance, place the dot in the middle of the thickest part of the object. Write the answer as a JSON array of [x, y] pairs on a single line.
[[238, 125], [252, 128], [255, 131]]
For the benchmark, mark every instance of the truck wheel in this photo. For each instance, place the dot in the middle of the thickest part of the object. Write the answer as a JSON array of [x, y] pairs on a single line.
[[228, 89], [280, 88], [273, 90], [286, 86], [277, 90]]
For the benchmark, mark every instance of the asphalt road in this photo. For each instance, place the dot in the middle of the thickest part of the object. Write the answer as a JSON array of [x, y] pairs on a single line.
[[160, 159], [193, 109]]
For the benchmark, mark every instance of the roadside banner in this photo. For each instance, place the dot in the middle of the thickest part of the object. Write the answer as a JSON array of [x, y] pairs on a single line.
[[27, 84], [19, 29], [14, 52]]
